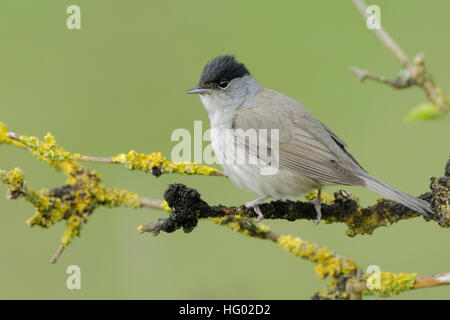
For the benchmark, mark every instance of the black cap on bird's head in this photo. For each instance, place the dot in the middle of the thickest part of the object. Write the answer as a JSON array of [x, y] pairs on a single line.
[[218, 73]]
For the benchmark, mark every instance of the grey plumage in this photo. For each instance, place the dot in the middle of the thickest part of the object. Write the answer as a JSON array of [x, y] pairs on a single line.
[[310, 154], [309, 148]]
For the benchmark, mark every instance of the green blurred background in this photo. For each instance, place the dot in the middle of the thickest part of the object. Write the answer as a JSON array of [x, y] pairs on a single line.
[[119, 84]]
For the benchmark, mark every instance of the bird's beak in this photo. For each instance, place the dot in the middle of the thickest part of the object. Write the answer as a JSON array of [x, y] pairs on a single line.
[[197, 90]]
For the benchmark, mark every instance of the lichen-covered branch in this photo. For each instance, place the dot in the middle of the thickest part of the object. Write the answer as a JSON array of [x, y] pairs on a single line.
[[84, 192], [414, 73], [74, 202], [188, 207], [348, 279], [394, 283], [154, 163], [158, 164], [349, 282]]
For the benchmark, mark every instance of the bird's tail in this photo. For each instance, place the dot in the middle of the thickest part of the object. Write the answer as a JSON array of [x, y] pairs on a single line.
[[405, 199]]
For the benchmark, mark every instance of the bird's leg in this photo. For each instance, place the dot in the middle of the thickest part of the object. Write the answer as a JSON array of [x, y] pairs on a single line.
[[317, 205], [255, 205]]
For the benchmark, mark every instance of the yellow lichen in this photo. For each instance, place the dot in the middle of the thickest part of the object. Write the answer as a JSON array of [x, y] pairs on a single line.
[[146, 162], [72, 229], [3, 132], [5, 139], [326, 262], [324, 197], [391, 283], [46, 150], [165, 206], [112, 197], [15, 182], [242, 225], [83, 191]]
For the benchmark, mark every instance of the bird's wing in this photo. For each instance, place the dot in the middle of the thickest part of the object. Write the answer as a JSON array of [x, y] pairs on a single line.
[[341, 144], [306, 145]]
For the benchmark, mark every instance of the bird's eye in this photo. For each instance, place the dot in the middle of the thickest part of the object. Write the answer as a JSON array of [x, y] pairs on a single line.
[[224, 83]]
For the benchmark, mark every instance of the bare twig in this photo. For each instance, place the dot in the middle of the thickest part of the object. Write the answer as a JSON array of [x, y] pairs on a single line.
[[396, 83], [416, 74], [13, 136], [433, 280], [151, 203], [95, 159], [385, 38], [58, 252]]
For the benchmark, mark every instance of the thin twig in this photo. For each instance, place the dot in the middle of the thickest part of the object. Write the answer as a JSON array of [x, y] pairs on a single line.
[[95, 159], [433, 280], [385, 38], [146, 203], [151, 203], [58, 252], [417, 74], [396, 83]]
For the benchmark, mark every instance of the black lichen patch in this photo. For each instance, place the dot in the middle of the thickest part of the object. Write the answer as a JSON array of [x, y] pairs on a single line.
[[156, 171], [187, 207]]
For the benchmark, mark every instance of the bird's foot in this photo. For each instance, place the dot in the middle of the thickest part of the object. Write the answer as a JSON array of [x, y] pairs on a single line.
[[255, 205], [259, 213], [318, 206]]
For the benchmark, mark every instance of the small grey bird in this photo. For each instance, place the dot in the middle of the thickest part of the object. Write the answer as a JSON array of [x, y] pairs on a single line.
[[310, 155]]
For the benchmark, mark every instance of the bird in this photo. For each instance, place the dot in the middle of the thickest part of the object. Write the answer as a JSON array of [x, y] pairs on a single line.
[[309, 155]]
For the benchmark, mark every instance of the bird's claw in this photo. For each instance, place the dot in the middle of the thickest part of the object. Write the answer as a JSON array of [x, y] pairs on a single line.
[[318, 206], [259, 213], [255, 205]]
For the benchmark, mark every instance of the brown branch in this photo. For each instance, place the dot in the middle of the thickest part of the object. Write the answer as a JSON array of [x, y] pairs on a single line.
[[433, 280], [58, 252], [416, 74], [151, 203], [95, 159], [382, 34], [188, 207], [349, 281], [396, 83], [425, 281]]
